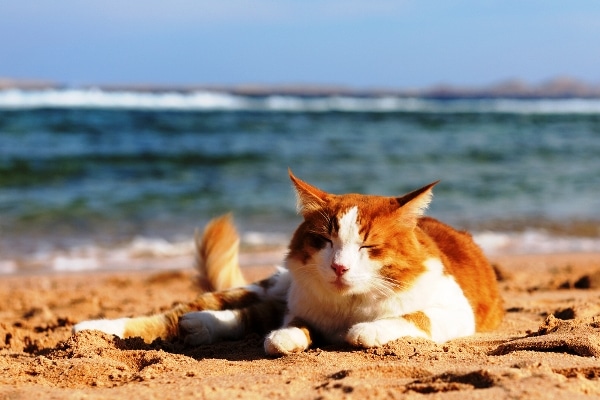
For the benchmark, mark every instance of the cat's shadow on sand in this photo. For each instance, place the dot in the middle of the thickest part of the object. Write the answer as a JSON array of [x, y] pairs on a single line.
[[577, 337], [247, 349]]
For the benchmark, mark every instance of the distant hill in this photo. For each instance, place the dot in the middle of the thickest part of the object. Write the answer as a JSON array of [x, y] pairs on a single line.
[[561, 87], [29, 84]]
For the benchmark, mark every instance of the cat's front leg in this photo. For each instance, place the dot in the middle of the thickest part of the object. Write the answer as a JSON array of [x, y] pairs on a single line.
[[379, 332], [294, 338]]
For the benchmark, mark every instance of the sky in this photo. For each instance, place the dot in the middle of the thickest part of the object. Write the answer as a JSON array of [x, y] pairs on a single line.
[[360, 44]]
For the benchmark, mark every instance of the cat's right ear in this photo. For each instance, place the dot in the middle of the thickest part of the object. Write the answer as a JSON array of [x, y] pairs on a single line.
[[310, 198]]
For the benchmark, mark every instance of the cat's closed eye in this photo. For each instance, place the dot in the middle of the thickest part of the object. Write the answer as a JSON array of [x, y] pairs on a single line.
[[373, 249], [318, 241]]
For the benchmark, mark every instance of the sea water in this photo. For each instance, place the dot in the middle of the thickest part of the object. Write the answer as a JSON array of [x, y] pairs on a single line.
[[92, 179]]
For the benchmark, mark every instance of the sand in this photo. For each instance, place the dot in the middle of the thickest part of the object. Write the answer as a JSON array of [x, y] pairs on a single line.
[[547, 347]]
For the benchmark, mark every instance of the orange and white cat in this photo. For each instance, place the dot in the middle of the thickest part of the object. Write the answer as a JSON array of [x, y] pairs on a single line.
[[361, 269]]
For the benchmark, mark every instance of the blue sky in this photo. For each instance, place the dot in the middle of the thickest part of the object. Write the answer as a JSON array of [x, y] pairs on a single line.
[[369, 43]]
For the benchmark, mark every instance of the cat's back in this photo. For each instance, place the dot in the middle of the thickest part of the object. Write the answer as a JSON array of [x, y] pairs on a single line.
[[465, 261]]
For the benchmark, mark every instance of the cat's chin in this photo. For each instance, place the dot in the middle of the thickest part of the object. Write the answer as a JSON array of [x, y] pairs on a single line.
[[340, 286], [343, 288]]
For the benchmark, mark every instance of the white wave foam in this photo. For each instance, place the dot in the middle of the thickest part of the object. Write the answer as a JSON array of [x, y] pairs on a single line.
[[533, 242], [95, 98], [141, 253], [207, 101], [149, 253], [265, 239], [159, 248], [8, 267]]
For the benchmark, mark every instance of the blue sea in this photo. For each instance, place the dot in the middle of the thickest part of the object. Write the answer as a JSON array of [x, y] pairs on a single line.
[[93, 179]]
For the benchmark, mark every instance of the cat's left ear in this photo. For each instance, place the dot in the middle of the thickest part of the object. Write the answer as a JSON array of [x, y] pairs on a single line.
[[310, 198], [412, 206]]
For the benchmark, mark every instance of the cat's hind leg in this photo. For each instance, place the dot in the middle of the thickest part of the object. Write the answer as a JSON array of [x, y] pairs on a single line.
[[166, 325], [255, 303], [258, 308], [205, 327]]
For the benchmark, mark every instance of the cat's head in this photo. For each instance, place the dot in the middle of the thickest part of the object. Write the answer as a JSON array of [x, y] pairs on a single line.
[[354, 244]]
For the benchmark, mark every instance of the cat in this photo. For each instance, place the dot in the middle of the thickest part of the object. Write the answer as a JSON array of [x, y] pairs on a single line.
[[361, 269]]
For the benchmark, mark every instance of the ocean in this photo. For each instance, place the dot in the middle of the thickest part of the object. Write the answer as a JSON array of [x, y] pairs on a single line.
[[93, 179]]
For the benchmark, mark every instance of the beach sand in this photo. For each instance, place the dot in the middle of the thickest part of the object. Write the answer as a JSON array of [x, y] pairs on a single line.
[[547, 347]]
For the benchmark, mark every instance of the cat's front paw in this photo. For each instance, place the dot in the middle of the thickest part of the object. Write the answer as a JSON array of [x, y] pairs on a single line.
[[379, 332], [365, 335], [286, 341], [110, 326]]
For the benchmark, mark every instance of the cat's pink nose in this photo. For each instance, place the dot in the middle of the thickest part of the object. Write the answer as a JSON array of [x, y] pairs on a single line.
[[339, 269]]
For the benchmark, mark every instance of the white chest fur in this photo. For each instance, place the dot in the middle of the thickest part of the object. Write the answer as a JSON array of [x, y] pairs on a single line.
[[437, 295]]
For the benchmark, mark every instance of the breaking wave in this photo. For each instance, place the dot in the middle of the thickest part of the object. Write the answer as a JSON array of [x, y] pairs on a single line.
[[214, 100]]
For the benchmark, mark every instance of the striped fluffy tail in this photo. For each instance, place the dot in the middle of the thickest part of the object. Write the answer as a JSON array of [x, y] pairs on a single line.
[[217, 255]]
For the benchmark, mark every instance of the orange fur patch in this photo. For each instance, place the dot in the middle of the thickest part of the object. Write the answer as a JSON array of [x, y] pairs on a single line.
[[465, 261], [420, 320]]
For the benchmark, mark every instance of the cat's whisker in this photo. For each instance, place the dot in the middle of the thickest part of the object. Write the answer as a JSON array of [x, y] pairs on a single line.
[[392, 282], [383, 287]]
